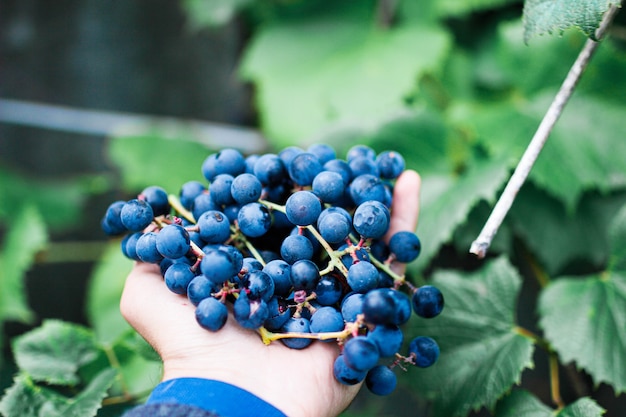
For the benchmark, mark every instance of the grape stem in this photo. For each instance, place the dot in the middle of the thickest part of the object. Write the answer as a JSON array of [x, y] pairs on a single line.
[[480, 246], [176, 205]]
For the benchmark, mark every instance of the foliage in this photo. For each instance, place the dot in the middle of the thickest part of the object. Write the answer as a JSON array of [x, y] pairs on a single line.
[[458, 87]]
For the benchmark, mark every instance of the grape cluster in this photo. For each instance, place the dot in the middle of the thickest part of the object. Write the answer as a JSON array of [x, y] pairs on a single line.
[[294, 242]]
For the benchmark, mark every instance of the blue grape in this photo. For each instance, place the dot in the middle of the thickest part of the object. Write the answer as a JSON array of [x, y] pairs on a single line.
[[303, 208], [232, 212], [357, 151], [360, 353], [157, 198], [379, 306], [388, 338], [390, 164], [280, 272], [147, 248], [427, 301], [363, 165], [405, 246], [295, 248], [304, 275], [220, 189], [279, 314], [254, 220], [287, 154], [371, 219], [303, 168], [328, 290], [259, 285], [342, 168], [250, 313], [326, 319], [352, 306], [177, 277], [189, 191], [136, 215], [270, 169], [381, 380], [203, 202], [129, 245], [218, 266], [299, 325], [211, 314], [214, 227], [250, 161], [111, 221], [328, 186], [425, 351], [173, 241], [367, 187], [199, 288], [362, 277], [402, 307], [346, 375], [227, 161], [323, 152], [246, 188], [334, 227], [251, 264]]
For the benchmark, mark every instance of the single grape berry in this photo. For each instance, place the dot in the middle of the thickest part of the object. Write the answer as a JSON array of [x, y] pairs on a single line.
[[427, 301], [136, 215], [405, 246], [173, 241], [254, 220], [361, 354], [211, 314], [157, 198], [345, 374], [303, 208], [424, 351]]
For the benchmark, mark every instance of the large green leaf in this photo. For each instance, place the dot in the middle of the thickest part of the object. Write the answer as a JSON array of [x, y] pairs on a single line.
[[154, 160], [104, 293], [521, 403], [482, 353], [55, 351], [617, 236], [329, 71], [27, 235], [548, 16]]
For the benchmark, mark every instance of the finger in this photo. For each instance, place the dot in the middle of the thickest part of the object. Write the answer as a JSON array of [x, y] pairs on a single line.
[[405, 203]]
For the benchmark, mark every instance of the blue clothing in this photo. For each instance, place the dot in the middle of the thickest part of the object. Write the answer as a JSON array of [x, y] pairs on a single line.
[[203, 398]]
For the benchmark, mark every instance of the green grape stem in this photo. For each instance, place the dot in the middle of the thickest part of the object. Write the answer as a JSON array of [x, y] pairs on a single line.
[[178, 207]]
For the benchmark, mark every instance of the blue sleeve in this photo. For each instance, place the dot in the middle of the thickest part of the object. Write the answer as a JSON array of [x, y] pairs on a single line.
[[214, 396]]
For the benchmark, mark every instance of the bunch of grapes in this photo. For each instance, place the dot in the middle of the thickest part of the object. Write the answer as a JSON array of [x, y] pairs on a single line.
[[294, 242]]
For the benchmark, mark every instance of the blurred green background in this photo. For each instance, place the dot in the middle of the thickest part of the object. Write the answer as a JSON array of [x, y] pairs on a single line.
[[100, 99]]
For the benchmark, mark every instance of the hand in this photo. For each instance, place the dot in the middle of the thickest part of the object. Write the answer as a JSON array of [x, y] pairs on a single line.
[[298, 382]]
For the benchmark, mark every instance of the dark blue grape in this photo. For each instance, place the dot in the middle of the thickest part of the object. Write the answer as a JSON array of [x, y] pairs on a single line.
[[334, 228], [218, 266], [214, 227], [288, 153], [360, 353], [232, 212], [295, 248], [177, 277], [203, 202], [246, 188], [227, 161], [328, 290], [323, 152], [328, 186], [402, 307], [352, 306], [371, 219], [254, 220], [362, 277], [346, 375], [425, 351], [270, 169], [405, 245], [279, 314], [250, 313], [304, 275], [363, 165], [299, 325], [157, 198], [303, 208], [303, 168], [326, 319], [129, 245], [388, 338], [360, 151], [367, 187], [379, 306], [189, 191], [111, 221], [136, 215], [342, 168], [250, 161], [211, 314], [427, 301], [381, 380], [251, 264], [199, 288], [259, 285], [147, 248], [220, 189], [280, 272], [173, 241], [390, 164]]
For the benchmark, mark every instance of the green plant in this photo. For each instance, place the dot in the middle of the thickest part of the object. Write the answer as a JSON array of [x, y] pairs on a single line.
[[459, 88]]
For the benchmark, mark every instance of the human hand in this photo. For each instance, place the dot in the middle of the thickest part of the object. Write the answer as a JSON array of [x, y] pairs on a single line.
[[298, 382]]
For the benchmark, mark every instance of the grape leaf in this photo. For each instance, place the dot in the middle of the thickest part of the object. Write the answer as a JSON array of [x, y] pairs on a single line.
[[521, 403], [104, 293], [482, 353], [154, 160], [584, 318], [548, 16], [55, 351], [27, 235], [354, 74], [26, 399]]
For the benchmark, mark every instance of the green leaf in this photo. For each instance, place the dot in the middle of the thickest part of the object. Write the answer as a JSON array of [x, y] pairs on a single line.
[[521, 403], [446, 202], [617, 235], [55, 351], [584, 321], [27, 236], [482, 353], [152, 159], [140, 366], [89, 401], [548, 16], [104, 292], [355, 74], [211, 13]]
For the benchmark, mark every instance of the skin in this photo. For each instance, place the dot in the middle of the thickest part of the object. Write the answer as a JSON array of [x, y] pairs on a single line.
[[298, 382]]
